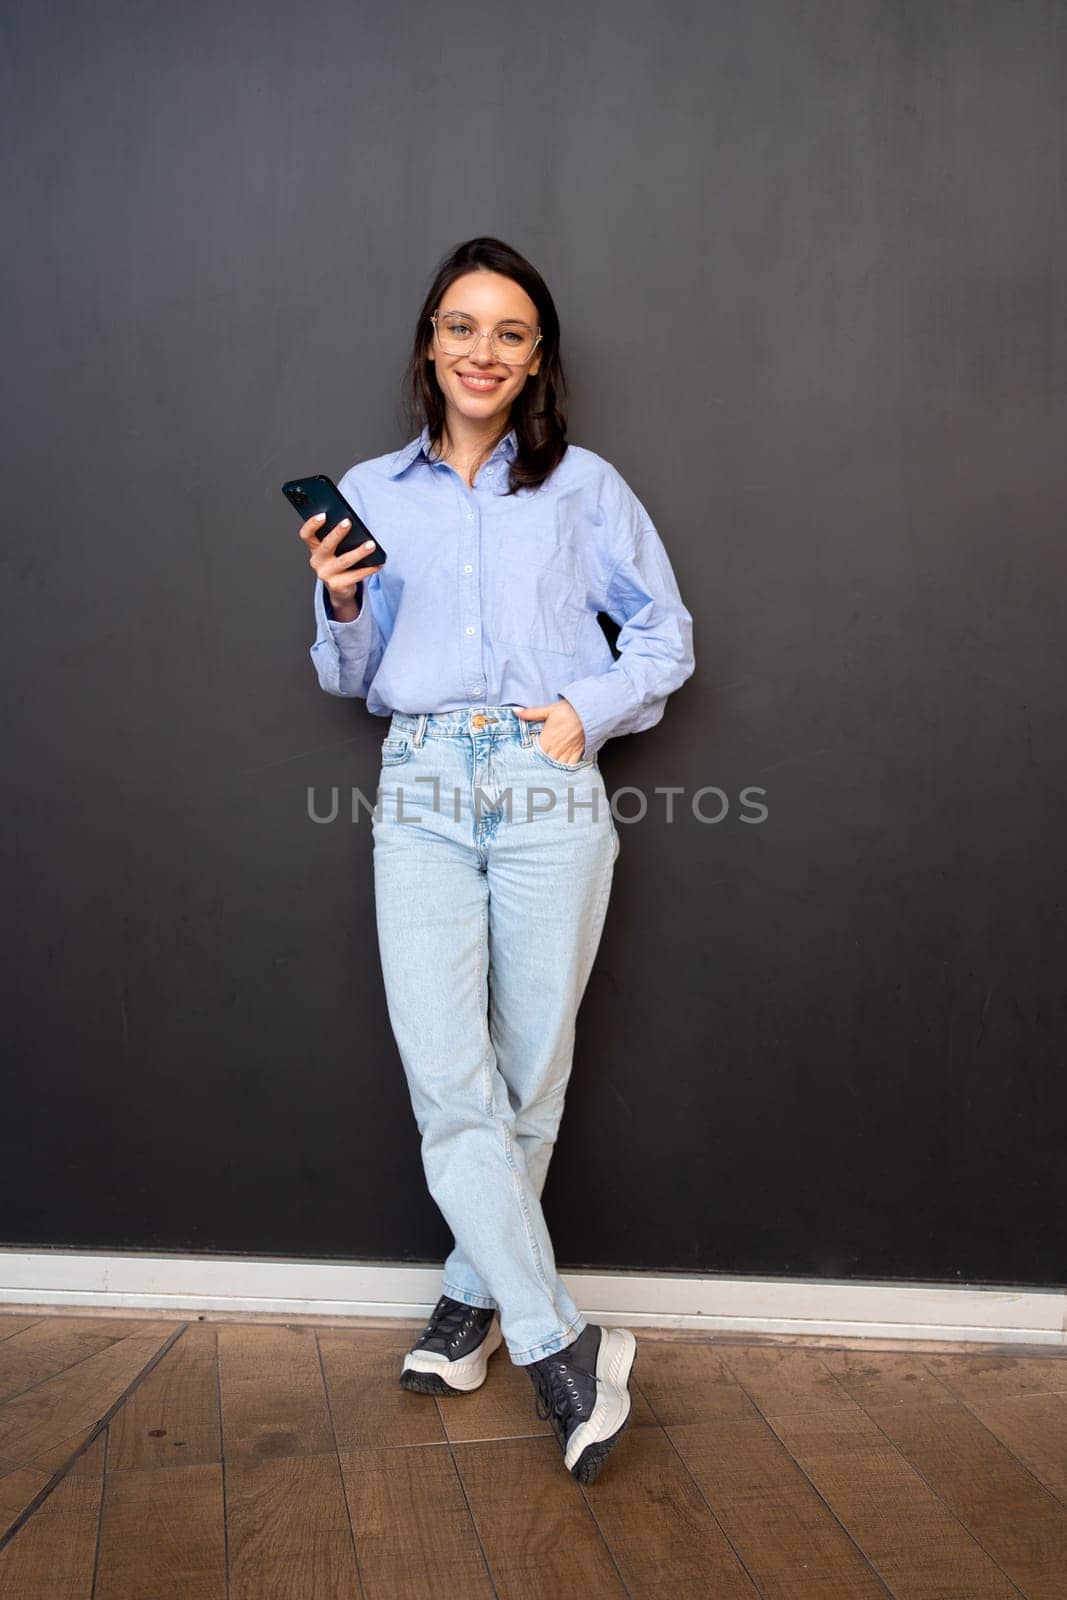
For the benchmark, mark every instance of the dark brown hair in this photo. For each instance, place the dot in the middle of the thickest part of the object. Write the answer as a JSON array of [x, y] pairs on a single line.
[[537, 413]]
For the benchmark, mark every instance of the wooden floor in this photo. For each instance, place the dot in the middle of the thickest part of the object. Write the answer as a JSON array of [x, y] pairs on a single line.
[[159, 1459]]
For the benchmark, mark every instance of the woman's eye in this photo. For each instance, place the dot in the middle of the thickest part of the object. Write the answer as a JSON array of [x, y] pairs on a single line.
[[509, 333], [459, 328]]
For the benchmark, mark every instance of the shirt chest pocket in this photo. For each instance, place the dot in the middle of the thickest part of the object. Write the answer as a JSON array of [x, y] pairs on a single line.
[[535, 592]]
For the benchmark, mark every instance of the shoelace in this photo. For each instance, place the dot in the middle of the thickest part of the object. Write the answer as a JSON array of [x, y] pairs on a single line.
[[557, 1393], [448, 1319]]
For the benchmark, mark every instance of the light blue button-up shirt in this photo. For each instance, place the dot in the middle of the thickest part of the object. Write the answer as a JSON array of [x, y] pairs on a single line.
[[492, 599]]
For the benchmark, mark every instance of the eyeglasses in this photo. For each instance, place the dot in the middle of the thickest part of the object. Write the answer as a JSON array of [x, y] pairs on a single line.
[[512, 342]]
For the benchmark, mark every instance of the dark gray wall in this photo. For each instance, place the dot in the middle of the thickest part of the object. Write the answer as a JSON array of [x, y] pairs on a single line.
[[810, 261]]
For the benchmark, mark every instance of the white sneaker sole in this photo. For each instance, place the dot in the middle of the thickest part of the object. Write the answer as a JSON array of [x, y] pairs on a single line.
[[611, 1414], [453, 1377]]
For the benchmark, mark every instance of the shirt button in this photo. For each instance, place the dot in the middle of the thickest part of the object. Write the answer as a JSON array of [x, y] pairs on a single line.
[[478, 693], [468, 568], [470, 516], [470, 630]]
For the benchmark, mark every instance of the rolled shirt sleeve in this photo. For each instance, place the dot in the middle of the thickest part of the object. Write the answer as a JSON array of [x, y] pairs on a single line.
[[346, 655]]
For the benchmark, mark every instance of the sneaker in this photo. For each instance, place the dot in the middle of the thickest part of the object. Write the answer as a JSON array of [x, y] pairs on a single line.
[[583, 1392], [451, 1355]]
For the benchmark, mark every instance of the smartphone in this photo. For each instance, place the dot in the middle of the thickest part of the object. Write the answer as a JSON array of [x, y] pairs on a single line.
[[312, 495]]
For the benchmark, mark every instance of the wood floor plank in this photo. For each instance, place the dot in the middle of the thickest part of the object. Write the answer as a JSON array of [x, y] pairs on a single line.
[[75, 1399], [59, 1455], [780, 1382], [367, 1404], [413, 1529], [883, 1379], [782, 1530], [21, 1486], [659, 1529], [15, 1323], [912, 1540], [162, 1534], [18, 1489], [81, 1484], [691, 1383], [272, 1394], [172, 1418], [46, 1348], [1034, 1428], [1013, 1517], [53, 1555], [288, 1528], [536, 1528], [505, 1407], [981, 1377]]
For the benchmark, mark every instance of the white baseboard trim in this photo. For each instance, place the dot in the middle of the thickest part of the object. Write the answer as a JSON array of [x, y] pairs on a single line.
[[184, 1285]]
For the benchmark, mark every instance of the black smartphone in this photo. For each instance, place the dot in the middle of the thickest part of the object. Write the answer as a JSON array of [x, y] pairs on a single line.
[[312, 495]]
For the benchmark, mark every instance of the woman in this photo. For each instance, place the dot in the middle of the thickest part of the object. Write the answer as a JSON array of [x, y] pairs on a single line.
[[494, 843]]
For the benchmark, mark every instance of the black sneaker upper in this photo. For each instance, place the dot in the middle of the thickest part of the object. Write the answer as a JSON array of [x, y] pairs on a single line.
[[454, 1328], [566, 1383]]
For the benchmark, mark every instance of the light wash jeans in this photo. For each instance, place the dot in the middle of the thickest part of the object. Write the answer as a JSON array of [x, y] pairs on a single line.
[[489, 915]]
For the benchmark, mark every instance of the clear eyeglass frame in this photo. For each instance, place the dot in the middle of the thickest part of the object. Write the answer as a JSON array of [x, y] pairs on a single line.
[[472, 344]]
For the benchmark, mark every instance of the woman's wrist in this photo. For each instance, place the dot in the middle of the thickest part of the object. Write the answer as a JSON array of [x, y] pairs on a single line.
[[345, 610]]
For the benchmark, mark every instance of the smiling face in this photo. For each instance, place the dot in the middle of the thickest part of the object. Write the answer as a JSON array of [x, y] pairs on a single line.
[[478, 389]]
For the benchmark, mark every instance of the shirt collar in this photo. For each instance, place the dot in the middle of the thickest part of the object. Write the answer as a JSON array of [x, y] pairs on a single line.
[[403, 459]]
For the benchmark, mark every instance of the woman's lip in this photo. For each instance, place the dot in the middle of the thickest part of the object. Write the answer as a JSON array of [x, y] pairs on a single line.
[[473, 381]]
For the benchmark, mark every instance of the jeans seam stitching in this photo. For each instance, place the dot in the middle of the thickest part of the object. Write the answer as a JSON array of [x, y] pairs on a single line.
[[535, 1251]]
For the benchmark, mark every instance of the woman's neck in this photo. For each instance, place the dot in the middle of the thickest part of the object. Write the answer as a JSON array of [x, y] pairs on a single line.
[[466, 447]]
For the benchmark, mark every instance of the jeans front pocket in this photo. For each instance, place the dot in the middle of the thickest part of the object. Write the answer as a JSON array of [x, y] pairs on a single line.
[[561, 766], [396, 749]]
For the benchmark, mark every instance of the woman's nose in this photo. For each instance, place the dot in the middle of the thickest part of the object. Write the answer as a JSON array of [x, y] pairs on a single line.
[[483, 351]]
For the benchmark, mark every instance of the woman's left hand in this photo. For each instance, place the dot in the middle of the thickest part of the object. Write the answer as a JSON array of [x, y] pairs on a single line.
[[563, 736]]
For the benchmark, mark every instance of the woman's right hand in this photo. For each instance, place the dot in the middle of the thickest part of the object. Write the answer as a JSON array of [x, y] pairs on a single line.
[[340, 574]]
